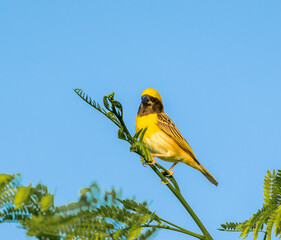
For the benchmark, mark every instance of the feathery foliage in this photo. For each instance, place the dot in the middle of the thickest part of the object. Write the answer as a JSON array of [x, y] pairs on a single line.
[[266, 218], [94, 216]]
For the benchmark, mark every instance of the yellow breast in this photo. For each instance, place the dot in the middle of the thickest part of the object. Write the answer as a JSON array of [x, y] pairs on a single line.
[[150, 121], [157, 141]]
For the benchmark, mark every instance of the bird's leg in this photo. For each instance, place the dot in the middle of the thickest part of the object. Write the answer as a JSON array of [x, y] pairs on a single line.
[[170, 173], [170, 170]]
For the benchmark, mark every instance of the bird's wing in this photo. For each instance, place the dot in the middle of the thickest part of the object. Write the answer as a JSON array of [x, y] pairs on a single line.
[[167, 126]]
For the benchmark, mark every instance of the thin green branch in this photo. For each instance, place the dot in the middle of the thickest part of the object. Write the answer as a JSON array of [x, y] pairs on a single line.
[[199, 236], [172, 224], [120, 118]]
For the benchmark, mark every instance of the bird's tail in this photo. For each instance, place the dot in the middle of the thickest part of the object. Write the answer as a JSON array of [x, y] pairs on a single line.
[[208, 175]]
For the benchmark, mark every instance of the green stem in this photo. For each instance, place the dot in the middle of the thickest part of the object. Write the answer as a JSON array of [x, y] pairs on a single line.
[[123, 124], [199, 236], [184, 203], [172, 224]]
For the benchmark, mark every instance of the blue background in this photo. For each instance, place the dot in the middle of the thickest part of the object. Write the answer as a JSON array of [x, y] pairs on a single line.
[[216, 64]]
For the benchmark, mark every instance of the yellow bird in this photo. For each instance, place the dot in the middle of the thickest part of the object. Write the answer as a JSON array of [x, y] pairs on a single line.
[[162, 137]]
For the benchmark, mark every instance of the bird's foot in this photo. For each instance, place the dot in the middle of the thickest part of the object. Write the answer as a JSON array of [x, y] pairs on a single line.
[[170, 173], [145, 163], [165, 182], [167, 174], [153, 160]]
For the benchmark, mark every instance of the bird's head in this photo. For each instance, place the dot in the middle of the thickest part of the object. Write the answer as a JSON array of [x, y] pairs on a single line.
[[151, 102]]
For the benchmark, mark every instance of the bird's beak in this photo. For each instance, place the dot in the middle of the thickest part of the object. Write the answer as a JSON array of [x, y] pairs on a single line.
[[145, 100]]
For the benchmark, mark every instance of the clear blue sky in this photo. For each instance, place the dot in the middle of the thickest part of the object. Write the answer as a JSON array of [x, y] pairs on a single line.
[[217, 65]]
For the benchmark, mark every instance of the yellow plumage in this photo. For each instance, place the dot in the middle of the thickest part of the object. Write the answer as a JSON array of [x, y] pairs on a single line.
[[162, 137], [153, 93]]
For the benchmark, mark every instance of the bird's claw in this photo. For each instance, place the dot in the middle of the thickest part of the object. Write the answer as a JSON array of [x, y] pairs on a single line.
[[153, 161], [170, 173], [149, 163], [165, 182], [144, 164]]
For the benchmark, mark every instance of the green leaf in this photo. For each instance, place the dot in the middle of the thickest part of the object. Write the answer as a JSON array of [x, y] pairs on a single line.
[[46, 202], [135, 137], [268, 174], [84, 190], [142, 134], [4, 178], [121, 134], [116, 104], [22, 195], [105, 103]]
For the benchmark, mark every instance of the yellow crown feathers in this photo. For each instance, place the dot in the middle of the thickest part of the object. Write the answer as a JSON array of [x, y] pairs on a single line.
[[152, 92]]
